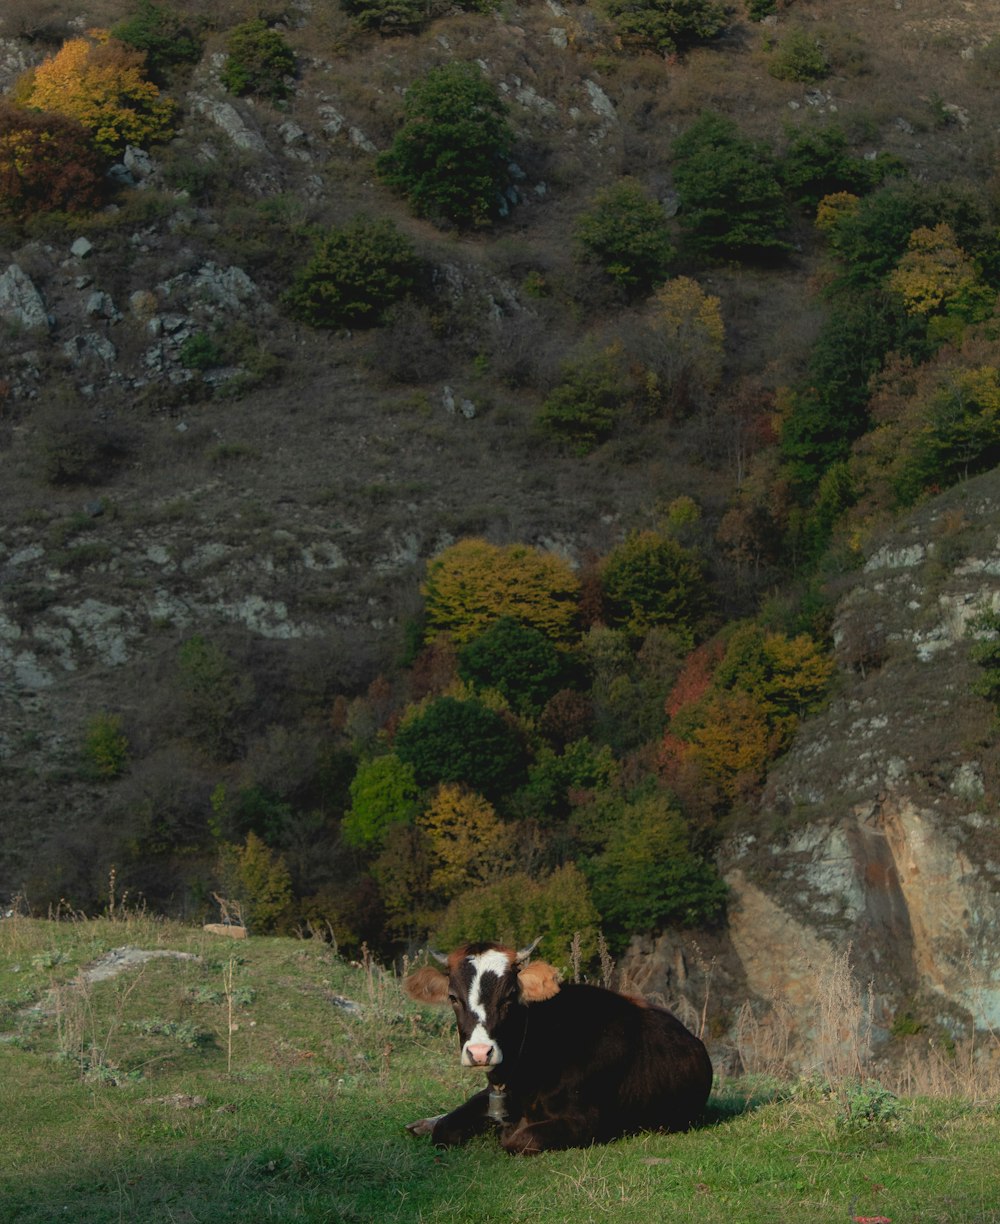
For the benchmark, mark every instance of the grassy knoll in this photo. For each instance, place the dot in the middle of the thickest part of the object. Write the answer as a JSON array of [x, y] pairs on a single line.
[[234, 1085]]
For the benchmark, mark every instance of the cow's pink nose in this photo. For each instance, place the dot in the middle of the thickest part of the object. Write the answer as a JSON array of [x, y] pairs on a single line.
[[479, 1054]]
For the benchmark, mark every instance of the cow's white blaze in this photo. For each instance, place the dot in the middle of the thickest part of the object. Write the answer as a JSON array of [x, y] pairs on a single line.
[[498, 963]]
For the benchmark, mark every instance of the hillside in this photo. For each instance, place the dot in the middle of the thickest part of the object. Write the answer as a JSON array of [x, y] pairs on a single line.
[[725, 311]]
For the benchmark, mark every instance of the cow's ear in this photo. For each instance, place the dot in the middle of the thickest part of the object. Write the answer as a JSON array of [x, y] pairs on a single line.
[[427, 985], [539, 981]]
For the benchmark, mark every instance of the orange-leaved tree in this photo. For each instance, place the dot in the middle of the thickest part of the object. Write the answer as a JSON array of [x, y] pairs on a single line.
[[101, 83], [47, 164]]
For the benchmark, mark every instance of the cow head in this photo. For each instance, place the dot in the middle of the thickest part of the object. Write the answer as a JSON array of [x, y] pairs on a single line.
[[487, 986]]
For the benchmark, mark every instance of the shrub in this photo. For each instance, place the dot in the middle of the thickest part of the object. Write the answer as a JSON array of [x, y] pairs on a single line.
[[665, 26], [162, 34], [387, 16], [200, 352], [517, 909], [384, 792], [106, 746], [462, 741], [102, 85], [214, 695], [47, 164], [473, 583], [799, 57], [259, 62], [355, 275], [650, 579], [731, 200], [584, 406], [626, 233], [449, 159], [518, 661]]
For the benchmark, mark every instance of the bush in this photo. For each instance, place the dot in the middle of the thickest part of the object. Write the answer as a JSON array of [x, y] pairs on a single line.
[[106, 746], [449, 159], [47, 164], [665, 26], [387, 16], [627, 234], [100, 83], [732, 203], [165, 37], [214, 694], [355, 275], [799, 57], [583, 408], [462, 741], [259, 62]]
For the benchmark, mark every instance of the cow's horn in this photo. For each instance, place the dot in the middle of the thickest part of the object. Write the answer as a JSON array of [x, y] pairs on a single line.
[[438, 956], [524, 953]]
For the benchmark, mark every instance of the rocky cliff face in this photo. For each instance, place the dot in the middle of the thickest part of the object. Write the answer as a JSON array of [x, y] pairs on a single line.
[[879, 832]]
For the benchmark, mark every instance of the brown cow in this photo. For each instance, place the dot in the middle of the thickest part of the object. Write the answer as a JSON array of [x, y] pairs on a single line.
[[567, 1065]]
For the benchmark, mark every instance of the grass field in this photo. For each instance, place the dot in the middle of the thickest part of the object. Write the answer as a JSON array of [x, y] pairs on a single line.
[[269, 1080]]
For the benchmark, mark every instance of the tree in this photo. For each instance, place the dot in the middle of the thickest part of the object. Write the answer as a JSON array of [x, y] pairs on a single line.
[[683, 345], [259, 62], [449, 159], [583, 408], [214, 695], [462, 741], [101, 84], [387, 16], [355, 274], [732, 205], [648, 876], [383, 792], [106, 747], [650, 579], [518, 661], [936, 276], [474, 583], [467, 842], [818, 163], [163, 35], [626, 233], [259, 880], [665, 26], [47, 164]]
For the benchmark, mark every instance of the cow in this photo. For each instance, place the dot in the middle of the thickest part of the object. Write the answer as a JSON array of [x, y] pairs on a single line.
[[566, 1065]]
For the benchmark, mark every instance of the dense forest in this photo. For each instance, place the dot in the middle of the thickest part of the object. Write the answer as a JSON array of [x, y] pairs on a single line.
[[721, 281]]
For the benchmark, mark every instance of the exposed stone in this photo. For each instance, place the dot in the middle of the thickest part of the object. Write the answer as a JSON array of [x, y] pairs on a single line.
[[81, 248], [228, 120], [20, 301]]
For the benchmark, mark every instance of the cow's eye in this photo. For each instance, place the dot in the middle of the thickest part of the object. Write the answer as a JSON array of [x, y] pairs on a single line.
[[453, 1000]]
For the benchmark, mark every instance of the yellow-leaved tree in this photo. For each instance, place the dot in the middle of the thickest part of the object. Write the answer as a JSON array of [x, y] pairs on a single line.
[[101, 83], [468, 842], [684, 344], [934, 272], [474, 583]]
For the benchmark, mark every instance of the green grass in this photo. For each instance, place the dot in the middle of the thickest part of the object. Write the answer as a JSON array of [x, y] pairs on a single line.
[[125, 1101]]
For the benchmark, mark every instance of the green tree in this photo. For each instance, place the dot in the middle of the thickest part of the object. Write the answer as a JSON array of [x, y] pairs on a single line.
[[165, 37], [106, 746], [518, 661], [259, 62], [986, 652], [648, 877], [355, 274], [449, 159], [384, 792], [462, 741], [626, 233], [732, 204], [818, 163], [665, 26], [584, 406], [474, 583], [387, 16], [650, 579], [214, 694], [799, 56]]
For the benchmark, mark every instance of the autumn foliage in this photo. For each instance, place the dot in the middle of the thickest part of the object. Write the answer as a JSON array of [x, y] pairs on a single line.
[[47, 164], [100, 83]]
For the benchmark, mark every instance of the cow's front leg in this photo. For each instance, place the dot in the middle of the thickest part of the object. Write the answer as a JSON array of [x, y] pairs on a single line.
[[459, 1126]]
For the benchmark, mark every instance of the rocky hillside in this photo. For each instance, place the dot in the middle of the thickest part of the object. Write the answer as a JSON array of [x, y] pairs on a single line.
[[877, 836], [185, 458]]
